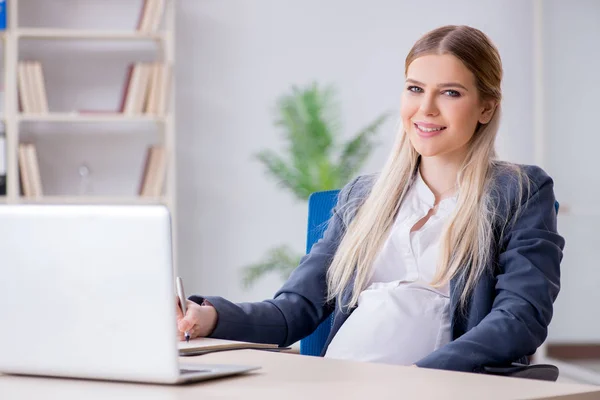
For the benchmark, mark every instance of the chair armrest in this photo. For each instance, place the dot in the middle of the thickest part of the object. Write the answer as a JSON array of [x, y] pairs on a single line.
[[544, 372]]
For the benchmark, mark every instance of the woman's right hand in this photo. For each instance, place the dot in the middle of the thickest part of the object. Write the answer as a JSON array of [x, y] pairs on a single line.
[[199, 321]]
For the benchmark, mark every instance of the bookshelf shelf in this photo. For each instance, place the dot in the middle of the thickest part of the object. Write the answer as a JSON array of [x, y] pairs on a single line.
[[91, 117], [92, 200], [81, 34]]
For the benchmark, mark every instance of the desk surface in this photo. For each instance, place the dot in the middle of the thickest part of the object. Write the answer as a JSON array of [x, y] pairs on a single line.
[[291, 376]]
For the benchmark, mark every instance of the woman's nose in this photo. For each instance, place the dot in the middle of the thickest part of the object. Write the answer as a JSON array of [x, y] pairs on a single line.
[[428, 106]]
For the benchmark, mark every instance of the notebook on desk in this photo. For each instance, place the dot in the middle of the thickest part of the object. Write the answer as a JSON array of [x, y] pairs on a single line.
[[208, 345]]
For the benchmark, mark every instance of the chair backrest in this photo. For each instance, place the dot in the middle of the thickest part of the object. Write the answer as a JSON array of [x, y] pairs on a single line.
[[320, 206]]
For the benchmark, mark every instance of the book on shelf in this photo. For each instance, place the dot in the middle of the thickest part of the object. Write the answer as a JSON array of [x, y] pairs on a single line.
[[150, 16], [158, 92], [24, 88], [41, 87], [154, 172], [3, 15], [2, 159], [145, 91], [31, 182], [32, 88], [126, 87], [137, 89]]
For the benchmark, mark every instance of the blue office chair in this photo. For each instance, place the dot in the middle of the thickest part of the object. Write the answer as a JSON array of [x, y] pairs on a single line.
[[320, 206]]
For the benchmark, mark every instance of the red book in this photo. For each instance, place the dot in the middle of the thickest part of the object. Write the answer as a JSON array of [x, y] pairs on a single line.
[[126, 92]]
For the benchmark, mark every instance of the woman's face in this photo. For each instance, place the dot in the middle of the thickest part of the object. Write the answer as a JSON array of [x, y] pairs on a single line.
[[441, 106]]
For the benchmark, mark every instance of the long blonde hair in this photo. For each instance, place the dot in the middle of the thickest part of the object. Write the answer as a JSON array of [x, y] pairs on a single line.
[[466, 244]]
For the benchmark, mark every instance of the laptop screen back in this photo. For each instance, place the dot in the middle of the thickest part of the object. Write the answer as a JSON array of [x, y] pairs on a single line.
[[87, 291]]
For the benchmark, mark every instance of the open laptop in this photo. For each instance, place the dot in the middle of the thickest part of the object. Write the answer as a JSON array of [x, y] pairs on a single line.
[[87, 291]]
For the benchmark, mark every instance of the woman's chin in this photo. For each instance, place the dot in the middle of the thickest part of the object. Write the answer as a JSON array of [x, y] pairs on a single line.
[[425, 147], [427, 151]]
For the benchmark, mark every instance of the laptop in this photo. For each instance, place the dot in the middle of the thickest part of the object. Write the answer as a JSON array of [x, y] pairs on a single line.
[[87, 291]]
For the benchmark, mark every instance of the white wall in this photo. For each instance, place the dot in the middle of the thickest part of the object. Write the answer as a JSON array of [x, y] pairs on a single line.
[[236, 57], [572, 84]]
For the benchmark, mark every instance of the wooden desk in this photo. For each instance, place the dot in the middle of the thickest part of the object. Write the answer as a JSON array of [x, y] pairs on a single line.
[[290, 376]]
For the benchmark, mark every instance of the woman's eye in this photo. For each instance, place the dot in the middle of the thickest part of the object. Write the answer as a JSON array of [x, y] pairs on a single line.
[[452, 93], [415, 89]]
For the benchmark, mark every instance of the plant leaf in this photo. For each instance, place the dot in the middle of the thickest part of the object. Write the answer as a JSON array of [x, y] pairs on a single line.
[[309, 119], [281, 259], [278, 168]]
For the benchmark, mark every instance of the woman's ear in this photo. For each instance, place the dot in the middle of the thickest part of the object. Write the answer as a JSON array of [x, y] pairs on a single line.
[[487, 111]]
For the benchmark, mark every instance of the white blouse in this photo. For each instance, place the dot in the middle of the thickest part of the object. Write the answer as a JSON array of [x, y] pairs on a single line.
[[400, 317]]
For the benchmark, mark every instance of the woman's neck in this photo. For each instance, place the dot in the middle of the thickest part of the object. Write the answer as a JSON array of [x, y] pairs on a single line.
[[440, 174]]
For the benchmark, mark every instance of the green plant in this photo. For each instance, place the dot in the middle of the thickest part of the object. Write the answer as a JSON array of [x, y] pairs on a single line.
[[316, 159]]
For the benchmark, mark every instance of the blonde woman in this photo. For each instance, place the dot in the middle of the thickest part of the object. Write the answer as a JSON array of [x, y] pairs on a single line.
[[448, 258]]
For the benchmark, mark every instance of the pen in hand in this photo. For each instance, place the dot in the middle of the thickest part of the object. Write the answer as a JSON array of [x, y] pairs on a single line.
[[182, 302]]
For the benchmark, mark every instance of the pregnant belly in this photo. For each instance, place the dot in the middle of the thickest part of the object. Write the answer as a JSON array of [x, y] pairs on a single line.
[[395, 323]]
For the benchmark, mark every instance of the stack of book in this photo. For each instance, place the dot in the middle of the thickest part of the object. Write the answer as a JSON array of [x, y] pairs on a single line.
[[31, 181], [158, 89], [151, 16], [153, 177], [32, 88], [146, 89]]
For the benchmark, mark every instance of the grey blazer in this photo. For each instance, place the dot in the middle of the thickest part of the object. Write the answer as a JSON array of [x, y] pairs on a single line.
[[506, 317]]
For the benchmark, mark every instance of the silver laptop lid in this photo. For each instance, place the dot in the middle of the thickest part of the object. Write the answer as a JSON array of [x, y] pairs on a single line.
[[87, 291]]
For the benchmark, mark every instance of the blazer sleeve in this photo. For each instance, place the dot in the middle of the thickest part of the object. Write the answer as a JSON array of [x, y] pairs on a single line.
[[526, 286], [298, 307]]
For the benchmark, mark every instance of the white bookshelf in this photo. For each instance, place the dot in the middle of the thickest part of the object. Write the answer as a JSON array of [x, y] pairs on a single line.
[[164, 125], [93, 200], [79, 34], [161, 126], [91, 117]]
